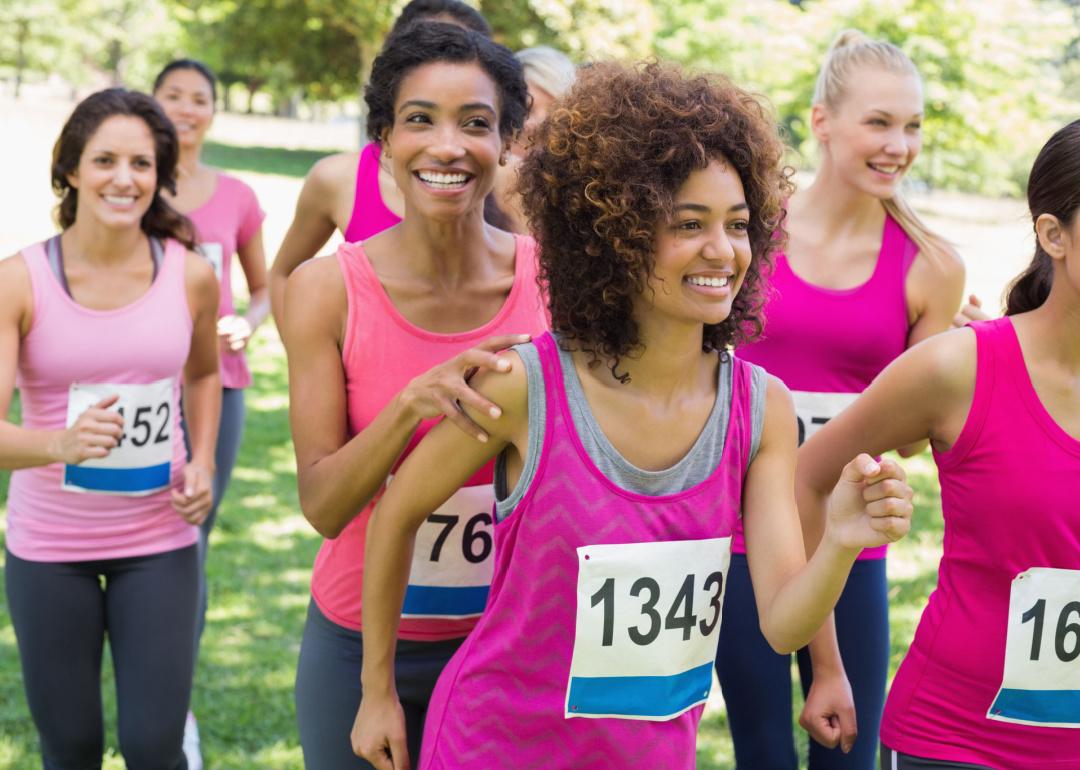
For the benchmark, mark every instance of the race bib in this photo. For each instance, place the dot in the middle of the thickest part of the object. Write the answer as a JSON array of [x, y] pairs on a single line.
[[1041, 685], [213, 254], [452, 565], [142, 462], [813, 410], [648, 622]]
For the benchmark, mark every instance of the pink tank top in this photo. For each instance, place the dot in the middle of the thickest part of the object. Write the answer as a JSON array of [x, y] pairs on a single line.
[[382, 352], [70, 347], [827, 345], [370, 216], [597, 645], [1009, 491], [224, 224]]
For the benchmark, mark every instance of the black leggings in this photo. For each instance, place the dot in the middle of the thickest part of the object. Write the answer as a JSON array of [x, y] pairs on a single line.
[[892, 760], [62, 611], [328, 690]]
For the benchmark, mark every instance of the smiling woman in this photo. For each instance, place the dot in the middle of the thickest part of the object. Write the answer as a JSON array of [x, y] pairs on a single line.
[[379, 342], [100, 325]]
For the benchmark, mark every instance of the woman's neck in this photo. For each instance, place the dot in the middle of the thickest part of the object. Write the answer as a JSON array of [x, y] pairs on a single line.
[[836, 208], [668, 364], [448, 251], [94, 243], [188, 165], [1056, 325]]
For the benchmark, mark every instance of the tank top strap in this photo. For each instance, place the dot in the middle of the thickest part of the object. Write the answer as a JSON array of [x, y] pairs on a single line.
[[740, 427], [897, 253], [988, 354], [555, 402], [42, 284], [370, 214]]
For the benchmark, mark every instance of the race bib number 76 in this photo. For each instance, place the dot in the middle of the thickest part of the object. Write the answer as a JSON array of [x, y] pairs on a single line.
[[648, 621], [1041, 684]]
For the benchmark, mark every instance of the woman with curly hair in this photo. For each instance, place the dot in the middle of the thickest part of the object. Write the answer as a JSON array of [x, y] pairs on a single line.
[[629, 444]]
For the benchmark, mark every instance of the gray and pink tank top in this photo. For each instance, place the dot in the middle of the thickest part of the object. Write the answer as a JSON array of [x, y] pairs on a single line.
[[827, 345], [993, 675], [71, 358], [370, 215], [598, 640]]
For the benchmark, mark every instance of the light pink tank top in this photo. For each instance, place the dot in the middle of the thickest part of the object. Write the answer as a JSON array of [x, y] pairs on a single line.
[[382, 352], [370, 215], [224, 224], [578, 660], [827, 345], [1009, 491], [144, 342]]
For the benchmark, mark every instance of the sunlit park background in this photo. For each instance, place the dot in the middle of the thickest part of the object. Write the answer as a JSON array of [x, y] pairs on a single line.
[[999, 76]]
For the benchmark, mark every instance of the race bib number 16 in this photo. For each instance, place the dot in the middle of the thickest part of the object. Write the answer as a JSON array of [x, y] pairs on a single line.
[[648, 621], [142, 462], [1041, 685]]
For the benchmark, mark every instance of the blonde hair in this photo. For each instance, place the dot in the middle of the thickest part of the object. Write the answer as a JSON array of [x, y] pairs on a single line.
[[547, 69], [850, 53]]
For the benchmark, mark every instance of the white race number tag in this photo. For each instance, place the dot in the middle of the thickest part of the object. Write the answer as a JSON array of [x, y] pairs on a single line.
[[142, 462], [813, 410], [648, 622], [214, 255], [1041, 685], [452, 559]]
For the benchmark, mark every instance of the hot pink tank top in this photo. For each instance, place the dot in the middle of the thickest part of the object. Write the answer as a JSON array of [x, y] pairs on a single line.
[[597, 644], [1009, 491], [224, 224], [370, 215], [141, 343], [382, 352], [827, 345]]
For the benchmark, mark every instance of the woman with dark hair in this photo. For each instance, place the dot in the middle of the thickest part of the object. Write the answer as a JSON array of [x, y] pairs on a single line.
[[99, 328], [228, 222], [630, 442], [355, 192], [991, 679], [380, 341]]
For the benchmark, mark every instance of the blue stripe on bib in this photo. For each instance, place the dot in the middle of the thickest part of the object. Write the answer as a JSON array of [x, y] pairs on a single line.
[[445, 601], [642, 696], [147, 479], [1060, 707]]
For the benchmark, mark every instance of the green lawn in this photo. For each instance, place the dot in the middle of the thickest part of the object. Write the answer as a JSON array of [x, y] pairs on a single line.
[[259, 569], [262, 160]]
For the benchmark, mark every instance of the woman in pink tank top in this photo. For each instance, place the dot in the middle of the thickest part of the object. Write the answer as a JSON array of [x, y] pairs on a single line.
[[380, 340], [101, 325], [656, 197], [859, 281], [354, 192], [992, 679]]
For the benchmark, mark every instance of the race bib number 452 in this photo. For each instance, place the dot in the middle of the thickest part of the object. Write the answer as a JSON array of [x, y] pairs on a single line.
[[452, 558], [142, 462], [1041, 684], [648, 621]]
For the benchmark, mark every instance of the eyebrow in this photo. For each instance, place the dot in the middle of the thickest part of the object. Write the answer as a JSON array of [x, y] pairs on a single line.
[[700, 207], [423, 104], [888, 114]]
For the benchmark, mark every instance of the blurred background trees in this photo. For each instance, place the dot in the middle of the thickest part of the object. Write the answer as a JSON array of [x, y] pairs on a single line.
[[998, 73]]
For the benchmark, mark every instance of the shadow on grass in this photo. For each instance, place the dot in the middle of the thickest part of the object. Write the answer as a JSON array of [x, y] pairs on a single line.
[[262, 160]]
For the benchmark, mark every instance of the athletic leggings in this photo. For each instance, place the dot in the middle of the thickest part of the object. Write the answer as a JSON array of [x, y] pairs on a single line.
[[62, 612], [230, 432], [891, 760], [756, 682], [328, 690]]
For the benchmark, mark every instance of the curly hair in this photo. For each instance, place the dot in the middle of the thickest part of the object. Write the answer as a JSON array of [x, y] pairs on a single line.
[[432, 42], [161, 220], [603, 174]]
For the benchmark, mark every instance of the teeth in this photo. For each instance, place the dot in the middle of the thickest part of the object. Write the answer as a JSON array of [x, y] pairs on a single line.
[[699, 280], [120, 200], [885, 169], [443, 181]]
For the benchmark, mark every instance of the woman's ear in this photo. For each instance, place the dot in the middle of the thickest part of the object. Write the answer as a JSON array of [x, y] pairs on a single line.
[[1051, 235], [819, 123]]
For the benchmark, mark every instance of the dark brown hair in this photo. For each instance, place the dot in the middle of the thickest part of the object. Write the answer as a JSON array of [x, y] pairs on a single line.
[[603, 174], [1053, 188], [161, 220]]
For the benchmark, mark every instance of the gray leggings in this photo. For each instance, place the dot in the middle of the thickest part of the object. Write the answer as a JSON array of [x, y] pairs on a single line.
[[230, 432], [893, 760], [62, 612]]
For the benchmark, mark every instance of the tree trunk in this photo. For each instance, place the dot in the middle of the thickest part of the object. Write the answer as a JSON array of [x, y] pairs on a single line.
[[20, 55]]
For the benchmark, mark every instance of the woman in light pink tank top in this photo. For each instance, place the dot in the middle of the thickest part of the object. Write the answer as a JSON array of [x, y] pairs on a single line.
[[380, 340], [992, 677], [860, 280], [597, 642], [102, 325]]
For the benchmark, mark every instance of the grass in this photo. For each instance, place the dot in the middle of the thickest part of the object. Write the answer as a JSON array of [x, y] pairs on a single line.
[[259, 569], [262, 160]]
